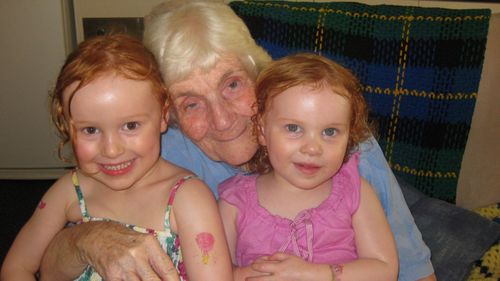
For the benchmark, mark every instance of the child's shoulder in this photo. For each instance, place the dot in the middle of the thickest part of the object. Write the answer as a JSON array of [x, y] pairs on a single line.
[[60, 195], [241, 185], [190, 184], [181, 179], [63, 185]]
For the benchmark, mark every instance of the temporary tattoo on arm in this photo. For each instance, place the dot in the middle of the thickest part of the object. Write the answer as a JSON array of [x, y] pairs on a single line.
[[41, 204], [205, 242]]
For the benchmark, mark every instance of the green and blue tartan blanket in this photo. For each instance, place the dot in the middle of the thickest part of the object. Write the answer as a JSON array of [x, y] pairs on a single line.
[[419, 67]]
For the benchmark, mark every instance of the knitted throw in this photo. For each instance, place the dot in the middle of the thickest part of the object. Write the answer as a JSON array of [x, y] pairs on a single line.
[[419, 69]]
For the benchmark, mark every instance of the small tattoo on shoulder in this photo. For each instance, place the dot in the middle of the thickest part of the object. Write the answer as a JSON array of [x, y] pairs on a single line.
[[41, 204]]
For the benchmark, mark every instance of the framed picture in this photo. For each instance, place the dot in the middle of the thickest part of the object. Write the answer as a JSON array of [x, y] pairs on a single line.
[[98, 17]]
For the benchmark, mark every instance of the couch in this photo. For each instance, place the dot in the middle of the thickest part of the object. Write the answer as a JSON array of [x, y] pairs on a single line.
[[421, 70]]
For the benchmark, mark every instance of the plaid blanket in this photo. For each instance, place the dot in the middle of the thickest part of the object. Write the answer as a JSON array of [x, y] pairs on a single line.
[[419, 68]]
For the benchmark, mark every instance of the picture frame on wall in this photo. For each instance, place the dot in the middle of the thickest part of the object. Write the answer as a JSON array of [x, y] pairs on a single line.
[[98, 17]]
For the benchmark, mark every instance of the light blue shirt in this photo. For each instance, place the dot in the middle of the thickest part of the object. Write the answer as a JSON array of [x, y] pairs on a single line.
[[414, 255]]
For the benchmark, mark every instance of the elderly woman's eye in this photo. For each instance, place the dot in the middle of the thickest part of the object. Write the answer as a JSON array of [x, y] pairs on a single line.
[[234, 84], [190, 105], [233, 88]]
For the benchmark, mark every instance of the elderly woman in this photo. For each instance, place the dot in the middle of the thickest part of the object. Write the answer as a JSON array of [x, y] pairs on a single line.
[[209, 63]]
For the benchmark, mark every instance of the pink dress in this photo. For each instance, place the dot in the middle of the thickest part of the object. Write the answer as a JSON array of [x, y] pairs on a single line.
[[321, 235]]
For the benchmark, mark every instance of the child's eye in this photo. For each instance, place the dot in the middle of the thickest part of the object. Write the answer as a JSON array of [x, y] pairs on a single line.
[[130, 126], [293, 128], [330, 132], [90, 130]]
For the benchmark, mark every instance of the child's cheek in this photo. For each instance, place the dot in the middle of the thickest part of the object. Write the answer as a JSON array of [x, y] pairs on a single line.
[[85, 152]]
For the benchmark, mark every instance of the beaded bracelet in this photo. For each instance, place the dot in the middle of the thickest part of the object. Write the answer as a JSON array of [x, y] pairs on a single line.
[[337, 269]]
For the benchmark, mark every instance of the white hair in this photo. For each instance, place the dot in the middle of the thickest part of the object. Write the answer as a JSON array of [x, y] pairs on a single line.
[[185, 35]]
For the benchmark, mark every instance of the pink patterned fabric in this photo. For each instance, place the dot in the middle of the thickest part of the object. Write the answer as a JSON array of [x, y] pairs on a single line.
[[322, 235]]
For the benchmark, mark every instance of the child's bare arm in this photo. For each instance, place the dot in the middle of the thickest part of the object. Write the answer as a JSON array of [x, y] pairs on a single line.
[[374, 241], [229, 214], [198, 223]]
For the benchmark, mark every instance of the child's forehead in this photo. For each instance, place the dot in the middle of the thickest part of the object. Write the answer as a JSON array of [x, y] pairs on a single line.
[[106, 80], [304, 90], [108, 86]]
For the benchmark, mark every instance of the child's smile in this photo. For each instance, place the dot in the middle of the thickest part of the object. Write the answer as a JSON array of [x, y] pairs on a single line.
[[117, 169], [308, 169]]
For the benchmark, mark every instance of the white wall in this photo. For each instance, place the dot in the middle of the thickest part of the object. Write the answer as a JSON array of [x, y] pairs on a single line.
[[35, 39], [32, 50]]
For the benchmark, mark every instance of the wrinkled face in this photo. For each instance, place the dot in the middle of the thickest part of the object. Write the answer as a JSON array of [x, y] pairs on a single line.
[[117, 124], [306, 132], [214, 110]]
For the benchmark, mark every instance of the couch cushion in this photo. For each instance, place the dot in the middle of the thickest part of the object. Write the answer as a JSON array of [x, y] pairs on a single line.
[[457, 237]]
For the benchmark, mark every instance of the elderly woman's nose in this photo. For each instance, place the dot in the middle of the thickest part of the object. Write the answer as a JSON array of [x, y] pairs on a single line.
[[222, 116]]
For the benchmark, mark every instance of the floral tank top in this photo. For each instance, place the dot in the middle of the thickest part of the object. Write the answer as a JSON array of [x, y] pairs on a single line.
[[169, 240]]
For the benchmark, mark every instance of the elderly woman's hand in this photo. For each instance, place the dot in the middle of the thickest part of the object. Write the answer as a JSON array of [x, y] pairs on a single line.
[[116, 252]]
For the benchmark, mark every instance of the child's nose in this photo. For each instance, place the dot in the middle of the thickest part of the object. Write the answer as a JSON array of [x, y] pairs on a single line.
[[112, 146], [312, 146]]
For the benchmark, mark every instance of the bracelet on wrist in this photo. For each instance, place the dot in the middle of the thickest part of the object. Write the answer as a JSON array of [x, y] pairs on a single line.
[[337, 270]]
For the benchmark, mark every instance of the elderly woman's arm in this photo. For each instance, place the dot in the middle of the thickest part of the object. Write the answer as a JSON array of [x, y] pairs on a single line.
[[117, 253]]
